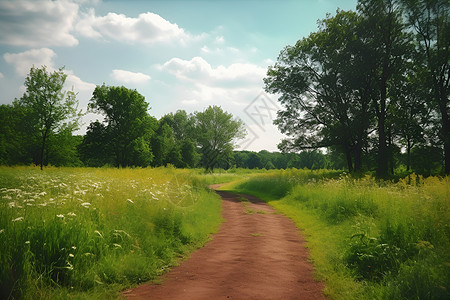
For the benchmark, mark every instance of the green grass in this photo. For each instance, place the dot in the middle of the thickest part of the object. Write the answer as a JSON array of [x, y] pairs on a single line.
[[367, 239], [89, 233]]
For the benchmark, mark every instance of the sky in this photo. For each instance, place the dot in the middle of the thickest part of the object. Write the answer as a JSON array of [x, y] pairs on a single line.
[[178, 54]]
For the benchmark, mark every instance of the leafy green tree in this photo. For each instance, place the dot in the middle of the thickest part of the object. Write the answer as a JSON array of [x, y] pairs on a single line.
[[385, 37], [323, 93], [15, 144], [184, 152], [163, 146], [430, 20], [215, 132], [127, 125], [48, 108], [95, 149]]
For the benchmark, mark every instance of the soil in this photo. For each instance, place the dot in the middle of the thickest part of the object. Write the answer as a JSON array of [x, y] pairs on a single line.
[[256, 254]]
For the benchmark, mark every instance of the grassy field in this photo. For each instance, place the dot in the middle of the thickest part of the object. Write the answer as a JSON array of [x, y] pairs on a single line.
[[368, 239], [88, 233]]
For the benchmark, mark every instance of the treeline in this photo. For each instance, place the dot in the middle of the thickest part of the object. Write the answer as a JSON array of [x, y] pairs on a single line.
[[38, 128], [372, 84]]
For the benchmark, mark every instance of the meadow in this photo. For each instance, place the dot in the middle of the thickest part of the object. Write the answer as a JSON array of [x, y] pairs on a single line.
[[368, 239], [88, 233]]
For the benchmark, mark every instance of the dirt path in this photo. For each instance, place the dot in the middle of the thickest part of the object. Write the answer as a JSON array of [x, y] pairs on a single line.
[[256, 254]]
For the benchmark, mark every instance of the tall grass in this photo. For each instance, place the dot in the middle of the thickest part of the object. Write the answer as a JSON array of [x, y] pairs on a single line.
[[369, 239], [79, 231]]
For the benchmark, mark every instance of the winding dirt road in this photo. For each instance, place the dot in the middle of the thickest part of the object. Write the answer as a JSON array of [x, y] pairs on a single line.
[[256, 254]]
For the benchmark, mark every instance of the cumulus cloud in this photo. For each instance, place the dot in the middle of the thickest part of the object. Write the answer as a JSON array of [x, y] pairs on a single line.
[[146, 28], [198, 69], [128, 77], [23, 61], [37, 23]]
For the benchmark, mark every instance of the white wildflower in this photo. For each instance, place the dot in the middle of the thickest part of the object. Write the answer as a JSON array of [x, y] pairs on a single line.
[[2, 230], [42, 194], [18, 219], [74, 248], [12, 204], [71, 255], [27, 242], [117, 245], [85, 204], [71, 214], [60, 216], [7, 197], [129, 200]]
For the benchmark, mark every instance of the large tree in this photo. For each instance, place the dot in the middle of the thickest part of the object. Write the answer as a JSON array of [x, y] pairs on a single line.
[[384, 35], [127, 127], [430, 20], [49, 109], [324, 89], [215, 131]]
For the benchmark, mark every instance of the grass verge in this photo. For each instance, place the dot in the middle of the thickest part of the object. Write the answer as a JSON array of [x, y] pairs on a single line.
[[367, 239]]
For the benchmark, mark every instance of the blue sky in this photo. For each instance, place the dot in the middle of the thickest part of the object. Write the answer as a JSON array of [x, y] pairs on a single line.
[[178, 54]]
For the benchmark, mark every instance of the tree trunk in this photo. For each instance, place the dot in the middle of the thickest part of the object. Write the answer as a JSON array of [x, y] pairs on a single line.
[[358, 157], [348, 156], [44, 138], [408, 155]]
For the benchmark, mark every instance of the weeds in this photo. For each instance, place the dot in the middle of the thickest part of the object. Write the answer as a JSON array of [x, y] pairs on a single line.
[[368, 239], [78, 231]]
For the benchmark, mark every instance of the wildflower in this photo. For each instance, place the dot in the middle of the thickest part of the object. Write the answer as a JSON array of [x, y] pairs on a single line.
[[129, 200], [85, 204], [18, 219], [117, 245], [12, 204], [69, 266], [71, 214], [42, 194], [27, 242], [7, 197], [74, 248], [60, 216], [71, 255], [2, 230]]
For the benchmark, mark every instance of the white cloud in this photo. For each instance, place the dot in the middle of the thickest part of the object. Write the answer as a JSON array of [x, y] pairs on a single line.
[[128, 77], [23, 61], [37, 23], [198, 69], [1, 75], [220, 40], [146, 28]]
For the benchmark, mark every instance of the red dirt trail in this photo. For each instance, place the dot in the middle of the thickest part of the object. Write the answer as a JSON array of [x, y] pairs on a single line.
[[256, 254]]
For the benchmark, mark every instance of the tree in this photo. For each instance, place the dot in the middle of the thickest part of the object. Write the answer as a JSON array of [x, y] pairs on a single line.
[[15, 142], [127, 125], [48, 107], [215, 131], [384, 35], [430, 21], [324, 89]]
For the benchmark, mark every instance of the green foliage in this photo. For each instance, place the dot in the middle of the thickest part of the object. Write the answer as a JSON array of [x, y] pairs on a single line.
[[368, 239], [215, 131], [78, 232], [125, 135], [48, 109]]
